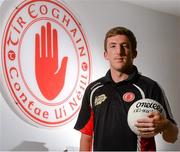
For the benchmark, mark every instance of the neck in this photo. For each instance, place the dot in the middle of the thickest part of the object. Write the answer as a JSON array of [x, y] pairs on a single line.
[[119, 76]]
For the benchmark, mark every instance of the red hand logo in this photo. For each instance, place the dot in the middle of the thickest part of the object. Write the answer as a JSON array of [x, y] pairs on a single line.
[[49, 76]]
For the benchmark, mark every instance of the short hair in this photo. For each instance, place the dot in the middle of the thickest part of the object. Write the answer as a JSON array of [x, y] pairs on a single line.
[[121, 31]]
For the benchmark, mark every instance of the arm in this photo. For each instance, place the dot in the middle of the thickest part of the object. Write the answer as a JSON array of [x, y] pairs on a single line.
[[85, 142], [170, 132]]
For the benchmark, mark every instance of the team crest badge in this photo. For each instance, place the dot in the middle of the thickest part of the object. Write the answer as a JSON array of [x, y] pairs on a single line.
[[46, 62], [128, 96]]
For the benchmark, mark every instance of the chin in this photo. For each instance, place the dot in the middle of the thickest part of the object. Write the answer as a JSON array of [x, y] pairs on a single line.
[[123, 69], [120, 69]]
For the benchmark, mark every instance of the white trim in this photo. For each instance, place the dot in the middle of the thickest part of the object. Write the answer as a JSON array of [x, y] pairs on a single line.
[[139, 137], [92, 92], [139, 143], [141, 91]]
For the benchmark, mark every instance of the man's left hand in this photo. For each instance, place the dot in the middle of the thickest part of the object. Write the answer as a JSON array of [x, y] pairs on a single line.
[[152, 125]]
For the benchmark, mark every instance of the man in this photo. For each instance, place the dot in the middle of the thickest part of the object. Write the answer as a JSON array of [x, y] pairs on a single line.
[[103, 116]]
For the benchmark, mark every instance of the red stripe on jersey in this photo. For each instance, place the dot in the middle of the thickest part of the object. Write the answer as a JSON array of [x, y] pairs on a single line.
[[88, 128], [148, 144]]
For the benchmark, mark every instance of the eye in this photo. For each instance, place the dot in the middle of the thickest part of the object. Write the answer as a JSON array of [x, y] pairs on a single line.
[[112, 45], [125, 46]]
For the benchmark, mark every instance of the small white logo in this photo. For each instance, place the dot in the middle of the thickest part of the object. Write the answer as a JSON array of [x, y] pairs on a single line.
[[100, 99]]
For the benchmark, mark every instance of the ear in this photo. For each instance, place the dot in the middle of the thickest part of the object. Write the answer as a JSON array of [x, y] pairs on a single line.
[[134, 54], [106, 55]]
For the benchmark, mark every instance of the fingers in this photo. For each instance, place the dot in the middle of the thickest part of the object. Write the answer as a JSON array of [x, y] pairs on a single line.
[[46, 41], [43, 42], [46, 45], [149, 126], [152, 114], [146, 129], [148, 132], [144, 124], [62, 70], [55, 45], [37, 47], [151, 117], [49, 39], [144, 120]]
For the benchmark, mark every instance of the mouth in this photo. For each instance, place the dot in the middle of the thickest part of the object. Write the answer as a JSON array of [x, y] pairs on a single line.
[[119, 59]]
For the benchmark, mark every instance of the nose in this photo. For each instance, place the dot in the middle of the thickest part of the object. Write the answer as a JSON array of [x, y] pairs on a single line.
[[121, 50]]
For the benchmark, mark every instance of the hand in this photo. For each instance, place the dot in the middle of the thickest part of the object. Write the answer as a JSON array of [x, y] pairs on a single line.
[[152, 125], [49, 76]]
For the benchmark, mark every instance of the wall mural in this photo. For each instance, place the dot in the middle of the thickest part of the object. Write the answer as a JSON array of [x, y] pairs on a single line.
[[46, 62]]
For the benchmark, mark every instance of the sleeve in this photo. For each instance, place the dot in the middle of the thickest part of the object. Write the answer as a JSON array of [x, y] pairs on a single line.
[[158, 94], [85, 120]]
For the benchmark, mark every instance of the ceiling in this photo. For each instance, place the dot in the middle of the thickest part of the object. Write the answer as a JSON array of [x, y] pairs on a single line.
[[167, 6]]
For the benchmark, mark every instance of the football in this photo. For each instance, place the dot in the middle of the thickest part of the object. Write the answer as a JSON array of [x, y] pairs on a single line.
[[140, 109]]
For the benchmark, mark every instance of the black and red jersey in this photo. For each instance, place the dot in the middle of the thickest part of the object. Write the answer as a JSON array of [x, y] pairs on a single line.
[[104, 109]]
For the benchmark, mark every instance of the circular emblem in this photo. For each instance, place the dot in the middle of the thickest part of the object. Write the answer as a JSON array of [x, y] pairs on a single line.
[[46, 62], [128, 96]]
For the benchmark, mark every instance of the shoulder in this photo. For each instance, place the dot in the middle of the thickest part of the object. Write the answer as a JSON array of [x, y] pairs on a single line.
[[90, 90], [95, 84], [148, 85], [144, 80]]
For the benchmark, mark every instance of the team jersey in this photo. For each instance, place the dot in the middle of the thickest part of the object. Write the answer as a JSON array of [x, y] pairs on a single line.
[[104, 109]]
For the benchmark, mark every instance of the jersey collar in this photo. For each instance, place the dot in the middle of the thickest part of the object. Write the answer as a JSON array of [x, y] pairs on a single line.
[[108, 79]]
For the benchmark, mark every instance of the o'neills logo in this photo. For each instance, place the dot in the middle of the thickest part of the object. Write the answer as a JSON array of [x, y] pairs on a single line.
[[46, 62], [149, 105]]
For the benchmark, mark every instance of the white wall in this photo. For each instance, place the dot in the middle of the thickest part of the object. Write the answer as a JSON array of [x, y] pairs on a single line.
[[158, 38]]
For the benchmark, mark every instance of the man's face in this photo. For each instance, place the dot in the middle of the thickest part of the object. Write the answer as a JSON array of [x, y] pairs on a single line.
[[119, 53]]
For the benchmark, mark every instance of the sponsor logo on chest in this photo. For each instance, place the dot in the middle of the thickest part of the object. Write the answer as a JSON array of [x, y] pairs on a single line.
[[100, 99]]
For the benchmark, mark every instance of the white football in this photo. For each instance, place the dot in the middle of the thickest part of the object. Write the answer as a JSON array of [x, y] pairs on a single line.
[[140, 109]]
